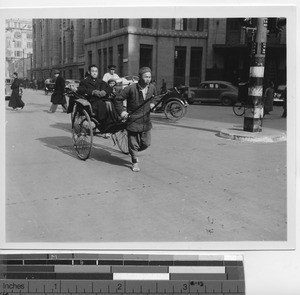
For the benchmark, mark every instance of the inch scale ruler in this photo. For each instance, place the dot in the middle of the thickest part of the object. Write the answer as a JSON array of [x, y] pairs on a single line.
[[121, 274]]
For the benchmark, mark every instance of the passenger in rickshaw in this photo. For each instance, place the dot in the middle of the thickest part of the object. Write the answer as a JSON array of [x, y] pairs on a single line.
[[97, 93]]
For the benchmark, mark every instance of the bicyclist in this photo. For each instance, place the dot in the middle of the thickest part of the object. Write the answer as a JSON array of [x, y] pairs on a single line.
[[139, 123], [97, 93]]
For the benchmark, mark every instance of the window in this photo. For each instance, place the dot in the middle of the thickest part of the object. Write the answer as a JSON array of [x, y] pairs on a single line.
[[90, 28], [105, 59], [146, 55], [100, 61], [179, 65], [121, 22], [100, 27], [120, 59], [105, 26], [29, 35], [234, 24], [18, 53], [195, 66], [146, 23], [90, 57], [179, 24], [200, 24], [18, 44], [111, 55], [29, 44]]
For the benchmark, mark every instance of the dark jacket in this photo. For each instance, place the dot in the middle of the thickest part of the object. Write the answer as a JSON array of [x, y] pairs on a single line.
[[58, 96], [88, 85], [268, 99], [139, 120], [15, 99]]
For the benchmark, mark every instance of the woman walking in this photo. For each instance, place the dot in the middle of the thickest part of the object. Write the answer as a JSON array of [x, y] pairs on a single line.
[[15, 101]]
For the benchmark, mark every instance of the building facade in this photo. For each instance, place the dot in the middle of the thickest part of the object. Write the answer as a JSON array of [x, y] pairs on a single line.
[[179, 51], [58, 44], [18, 47]]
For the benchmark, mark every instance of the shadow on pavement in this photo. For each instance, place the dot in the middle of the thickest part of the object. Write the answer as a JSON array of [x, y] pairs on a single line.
[[63, 126], [100, 153]]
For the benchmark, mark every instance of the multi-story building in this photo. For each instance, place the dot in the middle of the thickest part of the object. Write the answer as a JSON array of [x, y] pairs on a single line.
[[175, 49], [58, 44], [18, 46], [179, 51]]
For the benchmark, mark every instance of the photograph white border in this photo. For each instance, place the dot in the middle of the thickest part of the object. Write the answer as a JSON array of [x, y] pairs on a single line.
[[205, 11]]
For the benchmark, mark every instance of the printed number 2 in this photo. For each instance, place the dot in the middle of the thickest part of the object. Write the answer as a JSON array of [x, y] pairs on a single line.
[[119, 287]]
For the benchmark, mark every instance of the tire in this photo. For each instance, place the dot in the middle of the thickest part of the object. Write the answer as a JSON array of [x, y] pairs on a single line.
[[238, 109], [226, 101], [82, 134], [121, 139], [174, 110]]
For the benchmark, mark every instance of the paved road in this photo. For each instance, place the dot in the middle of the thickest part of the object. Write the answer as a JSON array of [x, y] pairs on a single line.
[[193, 185]]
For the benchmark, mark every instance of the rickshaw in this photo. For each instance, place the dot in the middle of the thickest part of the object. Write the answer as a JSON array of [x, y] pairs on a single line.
[[85, 125], [49, 86]]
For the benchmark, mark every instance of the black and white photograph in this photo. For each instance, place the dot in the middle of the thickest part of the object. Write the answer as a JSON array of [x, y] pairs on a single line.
[[151, 129], [147, 130]]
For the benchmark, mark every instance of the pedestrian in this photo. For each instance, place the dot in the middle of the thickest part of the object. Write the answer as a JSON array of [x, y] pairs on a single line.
[[15, 100], [111, 74], [35, 84], [283, 96], [96, 91], [138, 123], [268, 99], [58, 95]]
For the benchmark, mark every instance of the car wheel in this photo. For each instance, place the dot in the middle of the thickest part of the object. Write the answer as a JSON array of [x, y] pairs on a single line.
[[226, 101]]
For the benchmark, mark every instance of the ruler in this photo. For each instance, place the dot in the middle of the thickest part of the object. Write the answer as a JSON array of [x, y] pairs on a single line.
[[80, 273]]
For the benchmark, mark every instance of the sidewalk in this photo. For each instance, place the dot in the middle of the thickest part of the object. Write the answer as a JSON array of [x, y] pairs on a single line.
[[267, 135]]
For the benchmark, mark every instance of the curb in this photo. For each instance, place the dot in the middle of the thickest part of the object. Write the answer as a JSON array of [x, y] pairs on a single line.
[[266, 136]]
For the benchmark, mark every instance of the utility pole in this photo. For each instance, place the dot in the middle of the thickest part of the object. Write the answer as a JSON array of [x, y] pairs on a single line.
[[254, 104]]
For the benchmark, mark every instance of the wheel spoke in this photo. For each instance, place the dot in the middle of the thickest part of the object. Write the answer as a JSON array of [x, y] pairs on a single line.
[[121, 139], [82, 134]]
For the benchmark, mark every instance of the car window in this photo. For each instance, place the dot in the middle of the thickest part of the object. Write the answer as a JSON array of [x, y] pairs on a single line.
[[222, 86]]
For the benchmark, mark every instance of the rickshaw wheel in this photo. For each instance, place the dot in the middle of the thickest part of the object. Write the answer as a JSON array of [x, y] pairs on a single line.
[[121, 138], [174, 110], [82, 134]]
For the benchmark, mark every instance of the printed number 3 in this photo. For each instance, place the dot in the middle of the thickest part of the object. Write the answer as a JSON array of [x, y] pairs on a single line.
[[184, 287]]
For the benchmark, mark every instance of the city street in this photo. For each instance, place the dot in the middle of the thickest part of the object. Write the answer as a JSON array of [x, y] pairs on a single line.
[[193, 184]]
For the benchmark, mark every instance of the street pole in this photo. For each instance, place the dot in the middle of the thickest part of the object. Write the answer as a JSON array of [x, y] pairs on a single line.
[[254, 104], [23, 64]]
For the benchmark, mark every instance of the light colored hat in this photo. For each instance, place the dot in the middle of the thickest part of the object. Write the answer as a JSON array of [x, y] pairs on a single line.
[[144, 70]]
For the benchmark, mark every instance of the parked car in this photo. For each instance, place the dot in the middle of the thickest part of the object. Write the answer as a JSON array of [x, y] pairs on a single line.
[[277, 94], [213, 91], [8, 82], [71, 83]]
